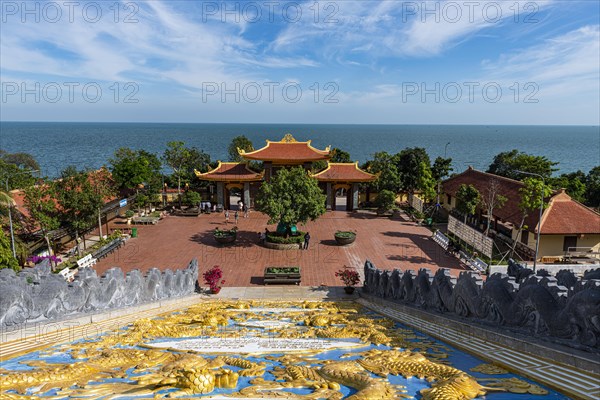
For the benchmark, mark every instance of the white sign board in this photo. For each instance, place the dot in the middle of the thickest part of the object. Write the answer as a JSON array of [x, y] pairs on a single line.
[[415, 202], [472, 236]]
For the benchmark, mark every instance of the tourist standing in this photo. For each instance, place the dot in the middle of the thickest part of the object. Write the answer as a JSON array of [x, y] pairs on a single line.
[[236, 216], [306, 240], [226, 217], [245, 211]]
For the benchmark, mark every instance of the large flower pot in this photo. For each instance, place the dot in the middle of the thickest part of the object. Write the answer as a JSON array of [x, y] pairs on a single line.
[[349, 289], [343, 240], [215, 291], [226, 239]]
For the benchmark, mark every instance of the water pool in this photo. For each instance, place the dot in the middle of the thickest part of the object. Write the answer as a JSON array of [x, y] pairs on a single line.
[[262, 349]]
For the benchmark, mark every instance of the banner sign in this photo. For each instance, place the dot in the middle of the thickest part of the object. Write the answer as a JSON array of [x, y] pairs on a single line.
[[415, 202], [472, 236], [123, 203]]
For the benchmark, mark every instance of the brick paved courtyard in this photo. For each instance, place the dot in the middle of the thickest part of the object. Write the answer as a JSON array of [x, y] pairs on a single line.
[[388, 243]]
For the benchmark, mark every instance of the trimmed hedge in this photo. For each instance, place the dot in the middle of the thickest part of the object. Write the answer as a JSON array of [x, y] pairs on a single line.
[[279, 239]]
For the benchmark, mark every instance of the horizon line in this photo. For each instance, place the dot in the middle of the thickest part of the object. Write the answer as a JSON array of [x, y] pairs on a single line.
[[293, 123]]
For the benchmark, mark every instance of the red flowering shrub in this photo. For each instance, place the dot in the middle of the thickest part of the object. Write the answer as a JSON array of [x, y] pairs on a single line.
[[349, 276], [212, 278]]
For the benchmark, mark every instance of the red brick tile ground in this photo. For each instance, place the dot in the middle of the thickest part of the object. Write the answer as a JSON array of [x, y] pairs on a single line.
[[388, 243]]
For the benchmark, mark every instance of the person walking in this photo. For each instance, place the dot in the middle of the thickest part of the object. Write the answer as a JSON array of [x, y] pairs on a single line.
[[226, 217], [236, 216], [306, 240], [246, 211]]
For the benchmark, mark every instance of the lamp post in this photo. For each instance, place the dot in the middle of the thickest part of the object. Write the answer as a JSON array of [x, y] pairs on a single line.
[[539, 225], [446, 149], [12, 235]]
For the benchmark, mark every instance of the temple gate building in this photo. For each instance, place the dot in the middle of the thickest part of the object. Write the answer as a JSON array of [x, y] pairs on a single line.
[[286, 153]]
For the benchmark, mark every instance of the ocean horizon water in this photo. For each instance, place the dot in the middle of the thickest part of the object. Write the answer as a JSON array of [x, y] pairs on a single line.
[[56, 145]]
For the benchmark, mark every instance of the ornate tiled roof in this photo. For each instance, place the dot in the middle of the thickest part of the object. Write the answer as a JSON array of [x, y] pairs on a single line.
[[565, 216], [343, 172], [287, 151], [230, 171]]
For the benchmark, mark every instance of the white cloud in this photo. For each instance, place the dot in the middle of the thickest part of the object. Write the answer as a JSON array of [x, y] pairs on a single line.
[[565, 65]]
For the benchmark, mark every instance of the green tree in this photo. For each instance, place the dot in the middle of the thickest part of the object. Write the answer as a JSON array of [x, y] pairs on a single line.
[[18, 178], [192, 198], [573, 183], [384, 164], [7, 260], [183, 161], [22, 160], [132, 168], [531, 198], [426, 183], [386, 200], [414, 168], [41, 204], [508, 162], [79, 201], [468, 199], [592, 191], [239, 142], [291, 197], [491, 200], [441, 168], [339, 156]]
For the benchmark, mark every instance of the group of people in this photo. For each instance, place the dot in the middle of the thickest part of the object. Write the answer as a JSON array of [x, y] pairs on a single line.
[[236, 216]]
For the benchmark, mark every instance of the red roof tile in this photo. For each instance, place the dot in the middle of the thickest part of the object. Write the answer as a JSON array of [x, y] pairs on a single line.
[[230, 171], [509, 188], [565, 216], [288, 150], [344, 172]]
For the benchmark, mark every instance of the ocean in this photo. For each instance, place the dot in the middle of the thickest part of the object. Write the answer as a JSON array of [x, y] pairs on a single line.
[[56, 145]]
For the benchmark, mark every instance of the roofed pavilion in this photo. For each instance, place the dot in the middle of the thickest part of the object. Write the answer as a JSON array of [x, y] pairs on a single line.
[[343, 176], [286, 153], [231, 175]]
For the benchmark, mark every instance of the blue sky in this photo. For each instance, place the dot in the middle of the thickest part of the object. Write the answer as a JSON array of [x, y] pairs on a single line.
[[411, 62]]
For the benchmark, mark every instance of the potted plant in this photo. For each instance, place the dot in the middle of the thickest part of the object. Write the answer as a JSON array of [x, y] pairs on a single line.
[[345, 237], [129, 214], [225, 236], [350, 278], [213, 278]]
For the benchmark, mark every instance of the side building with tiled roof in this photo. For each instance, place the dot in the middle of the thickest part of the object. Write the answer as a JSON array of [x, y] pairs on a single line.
[[568, 227]]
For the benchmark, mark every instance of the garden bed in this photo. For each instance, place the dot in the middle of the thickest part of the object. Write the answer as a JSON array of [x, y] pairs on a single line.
[[282, 275], [280, 242]]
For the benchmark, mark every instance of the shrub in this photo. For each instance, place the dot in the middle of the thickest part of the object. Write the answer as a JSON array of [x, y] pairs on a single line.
[[280, 239], [212, 278], [345, 234], [283, 270], [38, 259], [349, 276], [129, 213], [385, 200], [224, 233]]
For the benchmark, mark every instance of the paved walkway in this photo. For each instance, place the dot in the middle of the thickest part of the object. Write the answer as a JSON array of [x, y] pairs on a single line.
[[174, 241]]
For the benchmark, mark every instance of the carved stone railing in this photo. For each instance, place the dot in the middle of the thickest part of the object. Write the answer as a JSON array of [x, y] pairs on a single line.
[[38, 294], [561, 309]]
